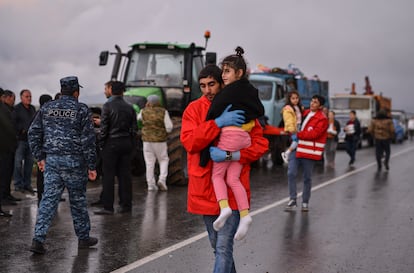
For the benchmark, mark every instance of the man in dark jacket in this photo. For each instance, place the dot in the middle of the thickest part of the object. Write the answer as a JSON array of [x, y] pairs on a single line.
[[7, 156], [353, 134], [7, 144], [23, 163], [117, 139]]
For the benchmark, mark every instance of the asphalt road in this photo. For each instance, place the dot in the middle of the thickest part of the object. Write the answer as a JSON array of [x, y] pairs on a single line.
[[359, 221]]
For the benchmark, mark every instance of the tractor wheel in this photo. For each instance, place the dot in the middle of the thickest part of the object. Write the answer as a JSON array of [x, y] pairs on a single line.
[[177, 167]]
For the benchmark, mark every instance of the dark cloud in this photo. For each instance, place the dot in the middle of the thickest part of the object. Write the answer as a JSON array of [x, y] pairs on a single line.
[[341, 41]]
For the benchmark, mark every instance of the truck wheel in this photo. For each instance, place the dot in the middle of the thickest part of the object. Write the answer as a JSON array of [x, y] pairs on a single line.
[[177, 167]]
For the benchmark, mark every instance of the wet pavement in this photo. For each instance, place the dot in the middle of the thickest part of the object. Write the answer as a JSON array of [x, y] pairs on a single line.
[[359, 221]]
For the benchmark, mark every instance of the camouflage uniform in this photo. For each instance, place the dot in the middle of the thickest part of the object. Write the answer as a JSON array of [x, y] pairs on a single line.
[[62, 133]]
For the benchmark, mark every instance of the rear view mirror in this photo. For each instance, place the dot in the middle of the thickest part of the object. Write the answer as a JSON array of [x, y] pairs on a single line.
[[103, 57], [211, 58]]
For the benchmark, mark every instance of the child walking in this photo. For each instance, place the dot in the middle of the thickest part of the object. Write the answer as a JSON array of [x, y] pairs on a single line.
[[292, 118], [238, 94]]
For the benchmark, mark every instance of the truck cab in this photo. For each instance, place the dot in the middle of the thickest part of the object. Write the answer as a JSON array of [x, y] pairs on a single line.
[[365, 107], [272, 95]]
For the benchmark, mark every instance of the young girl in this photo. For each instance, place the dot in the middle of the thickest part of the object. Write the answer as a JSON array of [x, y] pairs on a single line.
[[238, 94], [292, 118]]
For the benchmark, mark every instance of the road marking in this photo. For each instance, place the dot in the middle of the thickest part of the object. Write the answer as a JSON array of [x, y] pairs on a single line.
[[202, 235]]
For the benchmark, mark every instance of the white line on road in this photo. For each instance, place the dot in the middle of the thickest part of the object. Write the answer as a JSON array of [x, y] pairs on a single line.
[[195, 238]]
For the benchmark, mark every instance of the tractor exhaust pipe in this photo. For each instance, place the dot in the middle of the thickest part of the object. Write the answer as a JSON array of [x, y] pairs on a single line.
[[117, 63]]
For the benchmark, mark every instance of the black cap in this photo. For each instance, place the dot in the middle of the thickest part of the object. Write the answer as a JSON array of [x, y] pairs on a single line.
[[70, 84]]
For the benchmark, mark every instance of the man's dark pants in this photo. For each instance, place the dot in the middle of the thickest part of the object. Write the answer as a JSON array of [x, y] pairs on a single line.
[[351, 146], [116, 156], [381, 146], [6, 173]]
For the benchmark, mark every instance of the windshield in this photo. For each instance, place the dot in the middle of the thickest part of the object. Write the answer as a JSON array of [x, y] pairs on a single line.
[[265, 89], [350, 103], [155, 67]]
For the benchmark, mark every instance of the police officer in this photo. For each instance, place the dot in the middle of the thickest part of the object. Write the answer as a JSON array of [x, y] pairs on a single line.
[[62, 140]]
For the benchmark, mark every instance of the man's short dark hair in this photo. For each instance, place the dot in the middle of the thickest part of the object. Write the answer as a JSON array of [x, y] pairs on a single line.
[[8, 93], [44, 98], [118, 88], [212, 71], [24, 90], [319, 98]]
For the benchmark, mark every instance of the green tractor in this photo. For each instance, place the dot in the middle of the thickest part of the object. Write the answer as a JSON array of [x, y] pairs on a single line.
[[170, 71]]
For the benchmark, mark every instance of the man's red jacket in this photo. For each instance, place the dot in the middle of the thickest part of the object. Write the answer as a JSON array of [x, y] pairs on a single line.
[[312, 139], [196, 134]]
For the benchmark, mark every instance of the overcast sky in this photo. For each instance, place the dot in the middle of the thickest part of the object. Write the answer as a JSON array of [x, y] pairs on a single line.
[[42, 41]]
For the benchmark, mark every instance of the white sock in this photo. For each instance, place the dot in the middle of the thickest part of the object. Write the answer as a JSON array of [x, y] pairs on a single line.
[[244, 225], [225, 213]]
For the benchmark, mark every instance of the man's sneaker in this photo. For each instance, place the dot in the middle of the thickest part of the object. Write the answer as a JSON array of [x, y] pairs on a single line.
[[37, 247], [285, 157], [103, 212], [91, 241], [387, 167], [162, 186], [152, 187], [305, 207], [5, 214], [291, 205]]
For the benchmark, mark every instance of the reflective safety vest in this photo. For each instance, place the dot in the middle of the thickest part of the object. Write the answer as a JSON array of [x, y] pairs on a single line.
[[310, 149], [312, 139]]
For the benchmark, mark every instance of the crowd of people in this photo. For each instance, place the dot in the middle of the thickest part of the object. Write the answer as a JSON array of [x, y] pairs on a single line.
[[221, 133], [16, 161], [72, 144]]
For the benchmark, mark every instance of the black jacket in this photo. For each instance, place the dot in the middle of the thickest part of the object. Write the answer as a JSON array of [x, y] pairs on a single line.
[[357, 127], [22, 118], [243, 96], [118, 120], [8, 134]]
